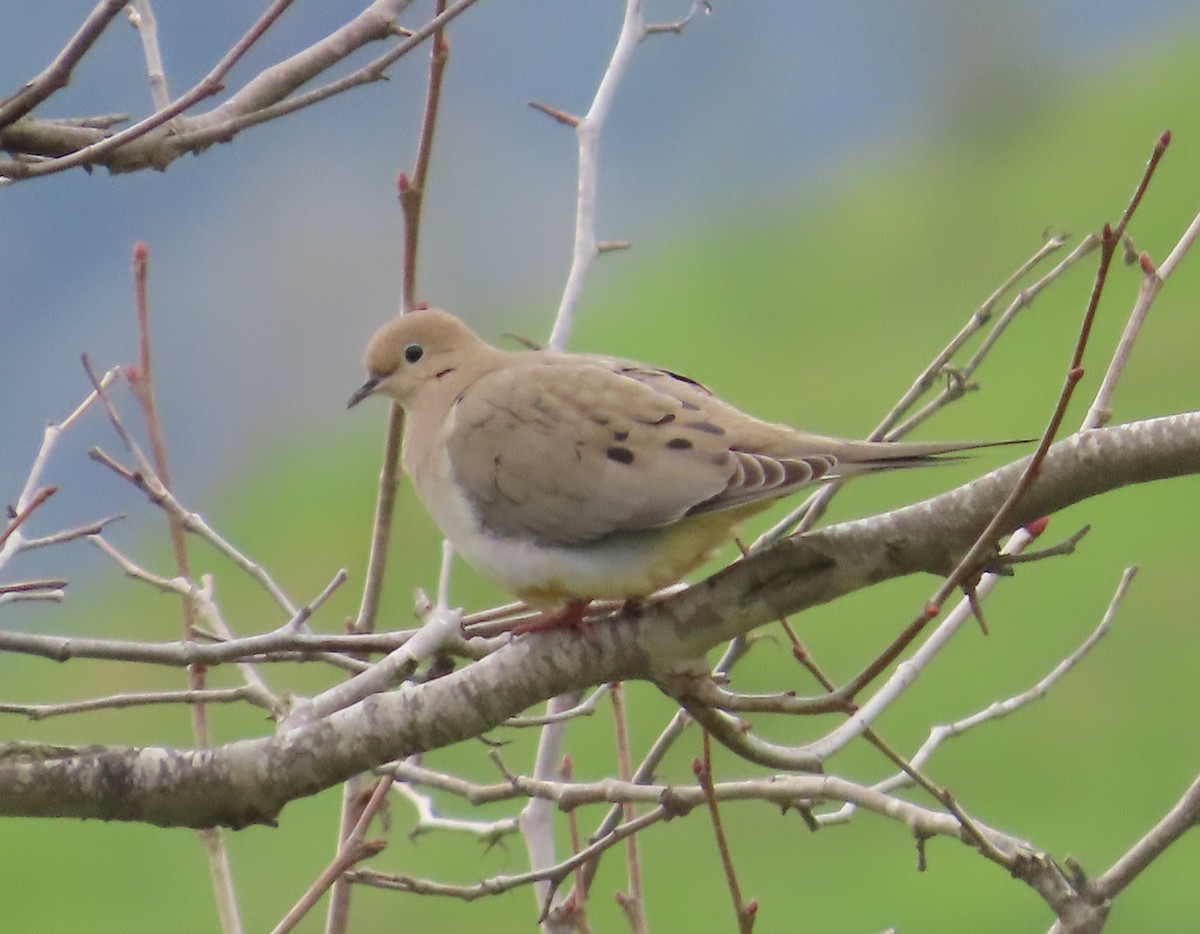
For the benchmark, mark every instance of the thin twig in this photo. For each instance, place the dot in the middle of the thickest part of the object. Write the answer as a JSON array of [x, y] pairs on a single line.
[[998, 709], [69, 535], [141, 382], [281, 644], [1109, 240], [13, 541], [658, 751], [959, 377], [552, 876], [120, 701], [589, 129], [381, 527], [141, 16], [373, 71], [893, 425], [32, 586], [584, 708], [669, 801], [24, 512], [355, 848], [428, 820], [744, 913], [58, 73], [212, 83], [632, 901], [201, 605], [412, 189], [145, 480], [575, 904], [537, 817], [968, 566], [1184, 816]]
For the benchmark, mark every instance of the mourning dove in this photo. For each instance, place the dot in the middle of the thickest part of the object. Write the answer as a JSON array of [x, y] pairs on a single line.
[[567, 477]]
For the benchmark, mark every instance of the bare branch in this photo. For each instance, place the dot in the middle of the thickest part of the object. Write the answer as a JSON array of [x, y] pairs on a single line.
[[148, 143], [536, 819], [1174, 824], [997, 710], [12, 540], [141, 17], [588, 129], [428, 820], [120, 701], [354, 849], [58, 72], [210, 84], [891, 427], [224, 123]]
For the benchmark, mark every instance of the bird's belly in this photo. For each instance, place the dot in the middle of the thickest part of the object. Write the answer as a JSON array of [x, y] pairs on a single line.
[[623, 566]]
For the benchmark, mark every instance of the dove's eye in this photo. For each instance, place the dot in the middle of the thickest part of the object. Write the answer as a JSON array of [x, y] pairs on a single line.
[[413, 352]]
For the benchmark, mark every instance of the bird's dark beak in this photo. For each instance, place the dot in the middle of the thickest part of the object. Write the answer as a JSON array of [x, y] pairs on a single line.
[[364, 390]]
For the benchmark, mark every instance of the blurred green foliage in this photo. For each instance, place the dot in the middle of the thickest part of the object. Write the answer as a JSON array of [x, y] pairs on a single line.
[[817, 308]]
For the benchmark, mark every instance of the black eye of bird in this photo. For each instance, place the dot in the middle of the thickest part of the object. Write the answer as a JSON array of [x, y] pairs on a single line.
[[413, 352]]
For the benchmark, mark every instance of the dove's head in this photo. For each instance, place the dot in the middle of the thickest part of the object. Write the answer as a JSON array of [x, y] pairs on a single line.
[[417, 350]]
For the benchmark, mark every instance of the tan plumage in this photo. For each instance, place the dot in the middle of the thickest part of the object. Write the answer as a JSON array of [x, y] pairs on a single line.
[[575, 477]]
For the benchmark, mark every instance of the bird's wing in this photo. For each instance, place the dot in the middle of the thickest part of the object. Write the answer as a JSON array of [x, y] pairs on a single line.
[[570, 449]]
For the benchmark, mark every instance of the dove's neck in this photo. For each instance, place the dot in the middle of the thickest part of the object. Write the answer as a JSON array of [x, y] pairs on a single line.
[[429, 414]]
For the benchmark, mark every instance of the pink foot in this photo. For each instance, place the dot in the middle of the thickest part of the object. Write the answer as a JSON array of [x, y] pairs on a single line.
[[570, 616]]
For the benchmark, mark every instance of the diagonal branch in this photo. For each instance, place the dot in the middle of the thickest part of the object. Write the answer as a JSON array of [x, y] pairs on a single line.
[[58, 73], [251, 780]]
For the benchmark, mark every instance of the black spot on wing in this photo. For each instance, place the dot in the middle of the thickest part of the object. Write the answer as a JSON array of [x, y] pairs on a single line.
[[619, 454], [707, 428], [620, 436], [679, 444]]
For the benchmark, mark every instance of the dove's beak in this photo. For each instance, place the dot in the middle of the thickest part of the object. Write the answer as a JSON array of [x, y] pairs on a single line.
[[364, 390]]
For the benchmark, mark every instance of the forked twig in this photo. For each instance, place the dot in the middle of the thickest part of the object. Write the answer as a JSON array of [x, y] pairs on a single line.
[[212, 83], [969, 565], [58, 72], [998, 709]]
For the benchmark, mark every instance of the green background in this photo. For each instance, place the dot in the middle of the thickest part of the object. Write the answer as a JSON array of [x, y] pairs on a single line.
[[817, 309]]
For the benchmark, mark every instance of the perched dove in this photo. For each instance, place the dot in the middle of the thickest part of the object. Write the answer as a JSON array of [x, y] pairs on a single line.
[[566, 477]]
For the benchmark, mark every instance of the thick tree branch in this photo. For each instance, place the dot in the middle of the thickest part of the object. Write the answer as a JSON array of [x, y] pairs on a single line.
[[249, 781]]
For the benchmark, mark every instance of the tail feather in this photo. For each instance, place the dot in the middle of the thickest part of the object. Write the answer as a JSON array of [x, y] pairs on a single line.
[[858, 457]]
